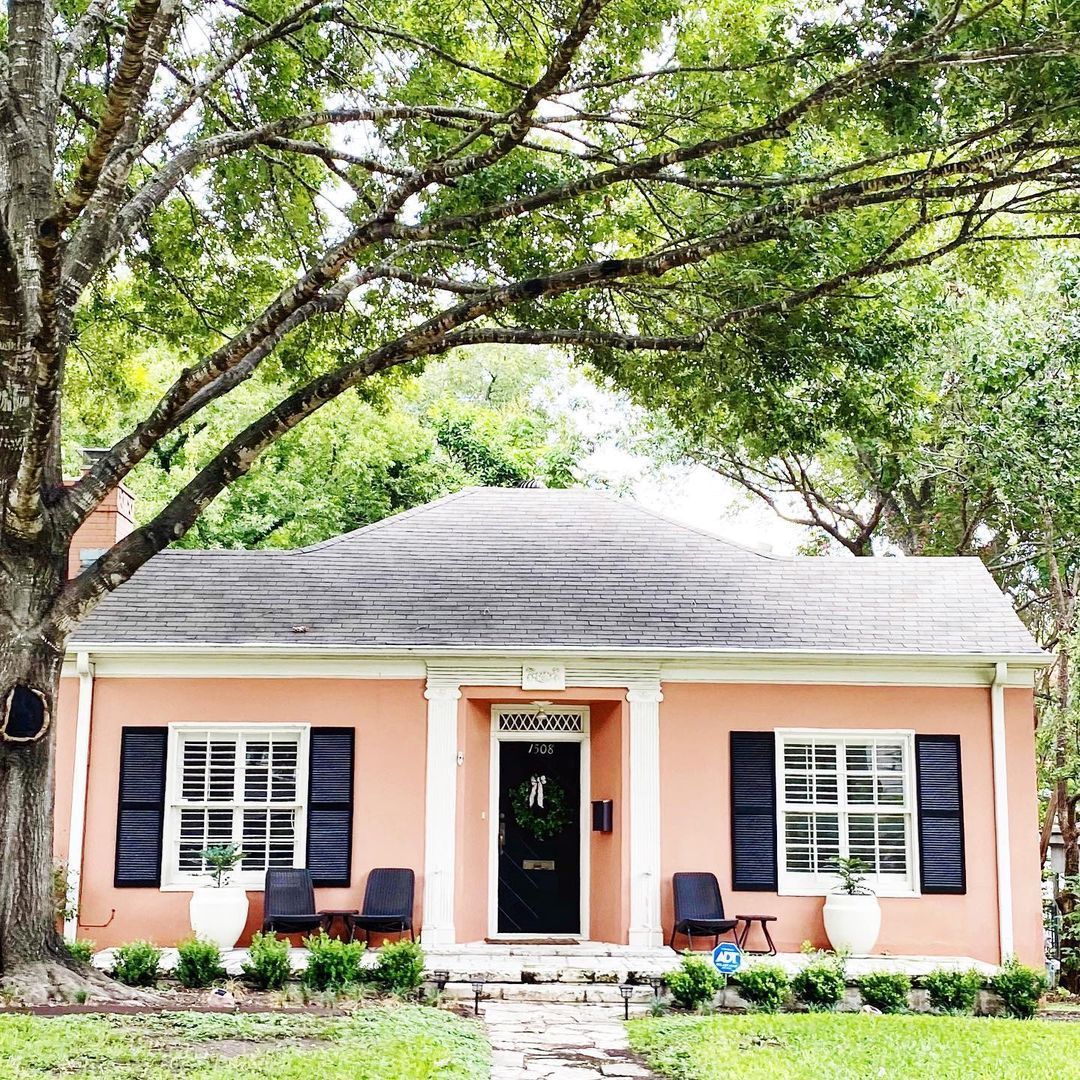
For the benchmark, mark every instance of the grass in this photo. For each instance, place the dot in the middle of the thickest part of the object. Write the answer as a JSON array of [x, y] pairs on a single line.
[[405, 1042], [831, 1046]]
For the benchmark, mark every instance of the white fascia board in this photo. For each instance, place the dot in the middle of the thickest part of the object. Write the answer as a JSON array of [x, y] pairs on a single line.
[[253, 660]]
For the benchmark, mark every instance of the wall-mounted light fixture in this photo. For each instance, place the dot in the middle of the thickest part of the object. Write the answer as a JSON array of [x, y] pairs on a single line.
[[603, 815]]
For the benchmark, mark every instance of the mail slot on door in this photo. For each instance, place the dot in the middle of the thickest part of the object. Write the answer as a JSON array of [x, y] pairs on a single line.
[[538, 864]]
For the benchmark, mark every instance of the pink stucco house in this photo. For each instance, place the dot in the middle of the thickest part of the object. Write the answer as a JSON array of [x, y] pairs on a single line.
[[394, 696]]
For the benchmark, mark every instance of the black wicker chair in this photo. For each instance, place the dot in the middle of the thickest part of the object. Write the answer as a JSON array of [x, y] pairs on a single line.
[[289, 903], [388, 903], [699, 909]]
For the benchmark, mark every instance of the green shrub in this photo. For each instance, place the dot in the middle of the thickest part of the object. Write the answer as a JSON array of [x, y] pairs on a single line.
[[267, 966], [1019, 988], [953, 991], [399, 968], [332, 964], [820, 985], [82, 950], [137, 964], [695, 983], [765, 986], [199, 963], [886, 990]]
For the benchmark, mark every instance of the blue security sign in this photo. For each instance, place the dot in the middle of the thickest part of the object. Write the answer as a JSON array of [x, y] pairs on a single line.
[[727, 958]]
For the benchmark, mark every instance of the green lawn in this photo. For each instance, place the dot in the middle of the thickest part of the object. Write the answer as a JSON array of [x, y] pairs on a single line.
[[379, 1043], [827, 1046]]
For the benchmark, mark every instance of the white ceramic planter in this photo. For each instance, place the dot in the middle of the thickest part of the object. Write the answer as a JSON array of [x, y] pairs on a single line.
[[219, 915], [852, 922]]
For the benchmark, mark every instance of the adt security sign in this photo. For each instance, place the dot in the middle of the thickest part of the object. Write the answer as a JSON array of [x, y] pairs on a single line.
[[727, 958]]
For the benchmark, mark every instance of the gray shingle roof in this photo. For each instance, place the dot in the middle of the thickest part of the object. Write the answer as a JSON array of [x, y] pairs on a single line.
[[513, 567]]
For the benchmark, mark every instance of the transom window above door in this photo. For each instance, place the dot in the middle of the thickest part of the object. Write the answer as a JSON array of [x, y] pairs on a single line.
[[243, 785], [541, 719], [845, 794]]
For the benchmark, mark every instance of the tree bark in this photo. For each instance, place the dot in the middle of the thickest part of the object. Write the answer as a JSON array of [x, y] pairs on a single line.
[[27, 906]]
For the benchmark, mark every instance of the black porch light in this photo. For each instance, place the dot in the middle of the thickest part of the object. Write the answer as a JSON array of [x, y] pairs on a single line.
[[440, 979], [477, 989], [626, 989]]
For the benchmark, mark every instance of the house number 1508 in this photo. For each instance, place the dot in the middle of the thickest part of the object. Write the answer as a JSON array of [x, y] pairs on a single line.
[[541, 748]]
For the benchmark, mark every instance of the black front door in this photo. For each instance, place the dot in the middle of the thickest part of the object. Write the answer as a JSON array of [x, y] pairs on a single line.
[[539, 845]]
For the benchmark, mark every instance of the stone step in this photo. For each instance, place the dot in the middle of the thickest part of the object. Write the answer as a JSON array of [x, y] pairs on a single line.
[[641, 996]]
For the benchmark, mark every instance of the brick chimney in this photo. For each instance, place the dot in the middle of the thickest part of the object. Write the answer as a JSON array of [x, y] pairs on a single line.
[[112, 520]]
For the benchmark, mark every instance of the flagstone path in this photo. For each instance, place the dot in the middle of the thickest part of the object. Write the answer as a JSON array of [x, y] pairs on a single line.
[[559, 1041]]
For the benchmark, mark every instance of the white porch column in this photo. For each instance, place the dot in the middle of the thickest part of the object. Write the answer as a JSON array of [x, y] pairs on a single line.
[[80, 774], [440, 806], [1001, 810], [645, 930]]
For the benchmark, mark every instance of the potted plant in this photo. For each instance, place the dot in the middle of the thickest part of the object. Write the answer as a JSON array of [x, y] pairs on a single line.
[[852, 912], [219, 911]]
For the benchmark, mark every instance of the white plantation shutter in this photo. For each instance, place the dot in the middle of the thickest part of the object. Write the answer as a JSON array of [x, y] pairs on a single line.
[[240, 786]]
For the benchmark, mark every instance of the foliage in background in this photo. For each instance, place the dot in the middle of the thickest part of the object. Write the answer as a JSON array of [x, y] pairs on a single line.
[[953, 991], [137, 964], [695, 982], [267, 966], [489, 418], [199, 963]]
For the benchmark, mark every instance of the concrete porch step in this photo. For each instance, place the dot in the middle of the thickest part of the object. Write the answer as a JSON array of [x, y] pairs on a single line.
[[549, 992]]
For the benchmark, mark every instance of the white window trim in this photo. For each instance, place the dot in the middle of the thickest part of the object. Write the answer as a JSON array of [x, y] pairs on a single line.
[[796, 884], [253, 881]]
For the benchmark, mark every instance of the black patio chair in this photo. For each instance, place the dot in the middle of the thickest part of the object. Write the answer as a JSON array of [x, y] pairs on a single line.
[[699, 909], [289, 903], [388, 903]]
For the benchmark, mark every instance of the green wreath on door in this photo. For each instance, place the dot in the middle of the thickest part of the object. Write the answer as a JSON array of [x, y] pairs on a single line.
[[544, 813]]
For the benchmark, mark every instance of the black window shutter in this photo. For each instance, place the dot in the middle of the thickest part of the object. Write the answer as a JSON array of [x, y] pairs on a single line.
[[140, 815], [941, 813], [753, 811], [330, 806]]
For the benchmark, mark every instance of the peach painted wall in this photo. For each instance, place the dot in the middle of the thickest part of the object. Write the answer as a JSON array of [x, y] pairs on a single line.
[[607, 708], [609, 908], [388, 826], [67, 706], [695, 720]]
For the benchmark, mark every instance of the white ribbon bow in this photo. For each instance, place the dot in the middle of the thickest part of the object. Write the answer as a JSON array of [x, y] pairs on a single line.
[[536, 791]]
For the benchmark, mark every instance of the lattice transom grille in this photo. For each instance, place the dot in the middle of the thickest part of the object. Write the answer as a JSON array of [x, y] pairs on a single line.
[[560, 720]]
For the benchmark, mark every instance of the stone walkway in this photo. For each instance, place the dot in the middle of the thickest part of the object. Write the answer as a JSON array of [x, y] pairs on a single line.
[[558, 1041]]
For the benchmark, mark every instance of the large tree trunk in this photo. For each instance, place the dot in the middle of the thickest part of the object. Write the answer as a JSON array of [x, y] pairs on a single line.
[[27, 903]]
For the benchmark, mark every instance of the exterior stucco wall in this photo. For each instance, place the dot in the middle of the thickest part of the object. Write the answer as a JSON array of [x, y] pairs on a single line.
[[67, 706], [388, 824], [695, 720]]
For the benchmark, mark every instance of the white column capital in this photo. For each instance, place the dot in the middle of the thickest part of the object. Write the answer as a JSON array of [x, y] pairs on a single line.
[[442, 691], [645, 695]]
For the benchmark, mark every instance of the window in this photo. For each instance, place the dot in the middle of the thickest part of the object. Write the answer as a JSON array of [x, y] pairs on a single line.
[[845, 794], [246, 786]]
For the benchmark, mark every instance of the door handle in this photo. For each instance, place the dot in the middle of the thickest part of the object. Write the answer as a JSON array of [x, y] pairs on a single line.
[[502, 835]]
